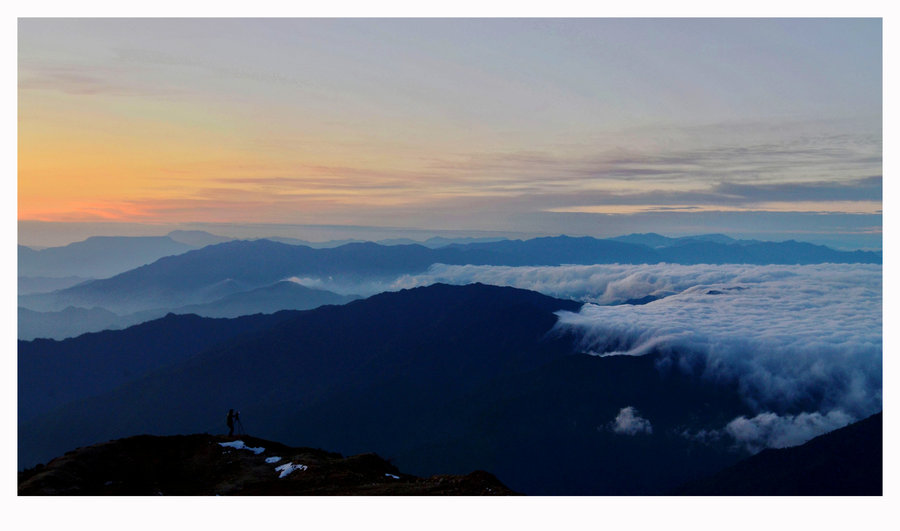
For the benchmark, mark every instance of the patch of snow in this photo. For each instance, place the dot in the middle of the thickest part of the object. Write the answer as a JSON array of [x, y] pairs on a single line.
[[273, 459], [287, 468], [239, 445], [393, 476]]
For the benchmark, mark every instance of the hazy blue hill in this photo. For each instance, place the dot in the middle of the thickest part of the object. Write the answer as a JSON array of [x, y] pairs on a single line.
[[650, 239], [52, 373], [284, 295], [29, 285], [207, 274], [844, 462], [72, 321], [558, 250], [197, 276], [436, 242], [440, 379], [197, 238], [789, 252], [215, 271], [98, 256], [656, 241], [69, 322], [315, 245]]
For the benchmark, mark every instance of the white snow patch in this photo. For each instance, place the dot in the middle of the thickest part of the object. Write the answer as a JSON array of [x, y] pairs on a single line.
[[392, 476], [287, 468], [273, 459], [239, 445]]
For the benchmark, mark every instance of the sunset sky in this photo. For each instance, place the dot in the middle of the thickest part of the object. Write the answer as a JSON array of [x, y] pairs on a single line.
[[760, 128]]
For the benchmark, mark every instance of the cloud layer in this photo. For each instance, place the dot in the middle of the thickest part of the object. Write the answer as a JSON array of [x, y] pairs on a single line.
[[803, 342], [790, 334]]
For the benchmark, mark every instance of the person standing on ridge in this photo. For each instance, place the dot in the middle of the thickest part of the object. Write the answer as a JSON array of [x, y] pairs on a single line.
[[230, 421]]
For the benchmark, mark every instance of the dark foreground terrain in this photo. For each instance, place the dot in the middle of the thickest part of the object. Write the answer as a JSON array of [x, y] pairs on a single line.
[[189, 465], [844, 462]]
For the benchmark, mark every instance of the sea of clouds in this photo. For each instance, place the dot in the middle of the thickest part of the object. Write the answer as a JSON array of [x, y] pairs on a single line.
[[789, 335]]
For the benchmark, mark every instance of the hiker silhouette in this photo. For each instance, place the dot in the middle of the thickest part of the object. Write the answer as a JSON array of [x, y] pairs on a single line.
[[230, 421]]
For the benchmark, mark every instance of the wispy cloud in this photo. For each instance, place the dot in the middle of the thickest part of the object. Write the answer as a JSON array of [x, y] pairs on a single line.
[[629, 422]]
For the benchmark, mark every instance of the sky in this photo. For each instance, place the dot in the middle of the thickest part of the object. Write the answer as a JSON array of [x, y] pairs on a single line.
[[329, 128]]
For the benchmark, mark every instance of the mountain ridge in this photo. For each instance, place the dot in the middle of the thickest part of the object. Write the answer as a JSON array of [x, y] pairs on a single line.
[[444, 379], [239, 265], [207, 465], [844, 462]]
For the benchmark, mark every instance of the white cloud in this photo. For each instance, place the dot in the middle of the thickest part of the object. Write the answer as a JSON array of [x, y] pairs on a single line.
[[789, 334], [808, 336], [774, 431], [629, 422]]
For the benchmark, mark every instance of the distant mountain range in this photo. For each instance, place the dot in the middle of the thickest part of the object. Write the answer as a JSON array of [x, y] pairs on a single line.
[[204, 275], [442, 379], [98, 256], [73, 321], [105, 256], [30, 285], [69, 322], [658, 241]]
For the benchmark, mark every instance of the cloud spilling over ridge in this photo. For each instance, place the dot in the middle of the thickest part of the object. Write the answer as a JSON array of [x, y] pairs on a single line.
[[629, 422], [789, 334], [601, 284], [802, 341]]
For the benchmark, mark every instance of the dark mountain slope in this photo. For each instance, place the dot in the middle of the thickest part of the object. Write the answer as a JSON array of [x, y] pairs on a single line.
[[443, 379], [446, 338], [844, 462], [52, 373], [545, 431], [191, 465]]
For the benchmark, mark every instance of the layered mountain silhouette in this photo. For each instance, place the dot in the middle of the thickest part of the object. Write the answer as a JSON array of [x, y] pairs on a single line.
[[189, 465], [97, 256], [30, 285], [203, 275], [53, 373], [72, 321], [845, 462], [441, 380]]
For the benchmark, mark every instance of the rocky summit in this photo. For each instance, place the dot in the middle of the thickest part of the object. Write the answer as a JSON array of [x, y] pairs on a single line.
[[207, 465]]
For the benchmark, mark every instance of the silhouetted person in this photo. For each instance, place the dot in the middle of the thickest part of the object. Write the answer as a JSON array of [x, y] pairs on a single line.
[[230, 421]]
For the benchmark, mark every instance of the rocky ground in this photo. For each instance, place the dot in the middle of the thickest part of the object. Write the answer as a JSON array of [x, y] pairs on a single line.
[[206, 465]]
